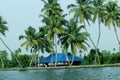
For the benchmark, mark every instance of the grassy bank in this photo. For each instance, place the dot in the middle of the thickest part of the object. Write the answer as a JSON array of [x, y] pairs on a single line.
[[61, 67]]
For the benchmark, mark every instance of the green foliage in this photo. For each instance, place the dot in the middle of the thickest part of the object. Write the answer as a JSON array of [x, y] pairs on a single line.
[[90, 58], [73, 37], [13, 60], [4, 61], [3, 27], [106, 57], [115, 58], [82, 10], [24, 60]]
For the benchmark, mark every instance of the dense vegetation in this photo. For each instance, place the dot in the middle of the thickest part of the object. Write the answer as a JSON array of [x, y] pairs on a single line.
[[106, 57], [71, 35]]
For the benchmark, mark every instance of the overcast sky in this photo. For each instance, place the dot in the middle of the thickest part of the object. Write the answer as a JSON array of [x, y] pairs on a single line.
[[20, 14]]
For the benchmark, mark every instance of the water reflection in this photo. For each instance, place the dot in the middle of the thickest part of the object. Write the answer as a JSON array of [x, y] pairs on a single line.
[[104, 73]]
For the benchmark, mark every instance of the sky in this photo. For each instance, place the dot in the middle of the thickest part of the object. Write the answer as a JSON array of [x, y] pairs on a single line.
[[20, 14]]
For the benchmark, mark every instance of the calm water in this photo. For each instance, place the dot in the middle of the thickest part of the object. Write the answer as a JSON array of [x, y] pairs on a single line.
[[105, 73]]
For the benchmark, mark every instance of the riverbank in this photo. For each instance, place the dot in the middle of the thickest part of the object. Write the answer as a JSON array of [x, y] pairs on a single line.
[[61, 67]]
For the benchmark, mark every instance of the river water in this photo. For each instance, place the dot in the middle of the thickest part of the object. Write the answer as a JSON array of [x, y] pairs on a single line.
[[103, 73]]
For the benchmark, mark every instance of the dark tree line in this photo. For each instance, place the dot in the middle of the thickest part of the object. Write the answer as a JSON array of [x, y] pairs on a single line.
[[106, 57]]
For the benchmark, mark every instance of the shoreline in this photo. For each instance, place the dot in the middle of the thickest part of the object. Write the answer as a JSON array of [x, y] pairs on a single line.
[[60, 67]]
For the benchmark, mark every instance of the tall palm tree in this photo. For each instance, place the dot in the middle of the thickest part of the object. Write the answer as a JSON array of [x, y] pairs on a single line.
[[73, 38], [29, 37], [83, 13], [53, 19], [41, 43], [99, 12], [3, 29], [113, 16], [36, 41]]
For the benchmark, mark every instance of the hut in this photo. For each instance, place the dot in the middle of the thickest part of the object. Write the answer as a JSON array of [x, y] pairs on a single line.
[[62, 60]]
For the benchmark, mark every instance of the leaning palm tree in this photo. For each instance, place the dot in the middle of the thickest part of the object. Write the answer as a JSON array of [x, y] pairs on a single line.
[[83, 11], [3, 29], [53, 19], [73, 38], [113, 16]]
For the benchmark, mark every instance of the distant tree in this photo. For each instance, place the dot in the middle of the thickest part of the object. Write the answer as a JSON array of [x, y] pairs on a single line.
[[106, 56], [24, 59], [4, 59], [3, 56], [89, 59], [115, 58]]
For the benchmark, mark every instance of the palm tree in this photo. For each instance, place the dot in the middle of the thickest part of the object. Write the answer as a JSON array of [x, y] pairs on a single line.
[[3, 29], [83, 13], [53, 19], [41, 43], [1, 58], [73, 38], [36, 41], [99, 12], [29, 37], [113, 16]]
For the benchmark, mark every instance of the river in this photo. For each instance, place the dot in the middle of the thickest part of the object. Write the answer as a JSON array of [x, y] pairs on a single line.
[[101, 73]]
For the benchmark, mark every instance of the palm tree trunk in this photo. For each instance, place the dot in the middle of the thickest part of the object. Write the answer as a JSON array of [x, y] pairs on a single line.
[[11, 52], [52, 52], [72, 60], [99, 35], [32, 59], [67, 59], [116, 35], [56, 50], [93, 45], [38, 58], [2, 63]]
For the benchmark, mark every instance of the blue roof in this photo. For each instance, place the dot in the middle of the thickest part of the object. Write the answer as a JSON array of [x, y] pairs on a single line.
[[61, 57]]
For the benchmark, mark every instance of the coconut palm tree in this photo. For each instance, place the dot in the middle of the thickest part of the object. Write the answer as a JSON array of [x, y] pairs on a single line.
[[3, 29], [113, 16], [36, 41], [29, 37], [83, 12], [53, 19], [99, 12], [73, 38], [41, 43]]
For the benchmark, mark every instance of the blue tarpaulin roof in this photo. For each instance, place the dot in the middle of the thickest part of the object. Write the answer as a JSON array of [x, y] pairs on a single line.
[[61, 57]]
